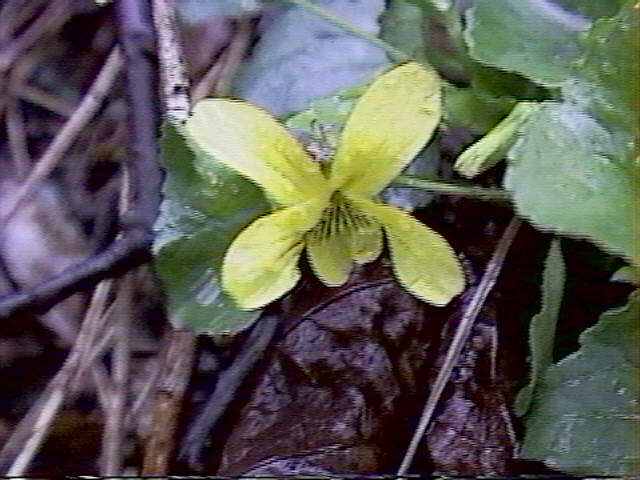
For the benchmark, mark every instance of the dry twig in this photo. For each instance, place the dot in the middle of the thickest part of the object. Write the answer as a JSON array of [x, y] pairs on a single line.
[[208, 80], [14, 14], [24, 442], [177, 363], [234, 55], [142, 190], [462, 334], [219, 77], [56, 13], [177, 357], [174, 81], [132, 247], [63, 140], [113, 435], [42, 99], [227, 386], [17, 138]]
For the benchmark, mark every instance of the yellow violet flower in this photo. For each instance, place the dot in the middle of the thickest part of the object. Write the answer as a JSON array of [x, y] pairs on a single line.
[[331, 212]]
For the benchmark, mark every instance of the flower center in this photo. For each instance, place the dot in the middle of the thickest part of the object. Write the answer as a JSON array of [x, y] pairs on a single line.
[[339, 217]]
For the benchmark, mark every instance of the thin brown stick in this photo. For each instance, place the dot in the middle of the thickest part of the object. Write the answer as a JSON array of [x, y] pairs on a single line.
[[63, 140], [55, 14], [95, 317], [17, 138], [178, 360], [233, 58], [24, 442], [105, 338], [462, 334], [219, 77], [13, 15], [113, 434], [46, 412], [20, 71], [132, 248], [104, 385], [137, 40], [45, 100], [229, 381], [144, 395], [23, 68], [208, 81], [111, 458]]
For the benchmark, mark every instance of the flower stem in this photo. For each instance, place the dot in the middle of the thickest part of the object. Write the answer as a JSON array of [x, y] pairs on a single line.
[[472, 191], [394, 53]]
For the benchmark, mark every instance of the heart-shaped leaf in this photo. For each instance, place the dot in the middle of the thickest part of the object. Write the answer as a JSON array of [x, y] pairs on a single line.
[[586, 414], [205, 207]]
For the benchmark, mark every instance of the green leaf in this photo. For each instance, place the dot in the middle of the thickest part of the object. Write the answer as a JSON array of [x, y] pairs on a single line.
[[586, 416], [408, 25], [203, 184], [473, 108], [605, 77], [594, 10], [205, 207], [543, 325], [188, 267], [403, 27], [491, 148], [568, 175], [575, 169], [535, 38]]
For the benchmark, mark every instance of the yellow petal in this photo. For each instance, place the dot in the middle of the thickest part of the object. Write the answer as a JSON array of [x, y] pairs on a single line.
[[423, 261], [330, 257], [249, 140], [391, 122], [261, 264], [366, 244]]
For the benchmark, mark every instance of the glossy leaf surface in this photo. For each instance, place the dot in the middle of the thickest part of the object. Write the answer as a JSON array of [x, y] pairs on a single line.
[[585, 417], [566, 174], [198, 220], [574, 169], [535, 38]]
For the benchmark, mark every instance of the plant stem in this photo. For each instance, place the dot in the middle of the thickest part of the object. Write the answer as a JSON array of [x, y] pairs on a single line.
[[472, 191], [393, 52]]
